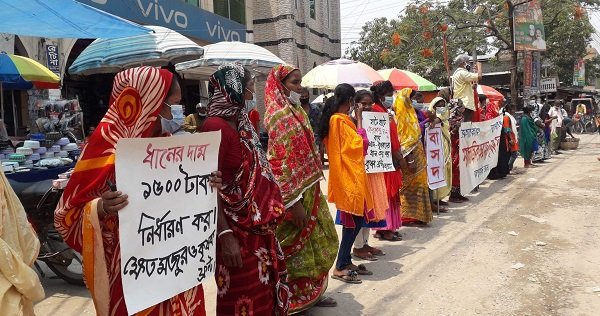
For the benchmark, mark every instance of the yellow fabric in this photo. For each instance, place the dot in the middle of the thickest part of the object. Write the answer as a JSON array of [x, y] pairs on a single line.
[[192, 122], [31, 70], [462, 85], [94, 262], [95, 163], [19, 247], [581, 109], [444, 117], [347, 185], [378, 191], [414, 194], [409, 130]]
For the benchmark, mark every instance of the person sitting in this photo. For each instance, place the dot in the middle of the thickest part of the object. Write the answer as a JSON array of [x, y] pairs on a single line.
[[193, 122]]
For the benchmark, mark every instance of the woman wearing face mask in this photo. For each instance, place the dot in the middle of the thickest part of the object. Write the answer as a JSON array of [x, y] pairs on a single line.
[[251, 274], [382, 93], [346, 144], [414, 194], [307, 234], [86, 216], [439, 114]]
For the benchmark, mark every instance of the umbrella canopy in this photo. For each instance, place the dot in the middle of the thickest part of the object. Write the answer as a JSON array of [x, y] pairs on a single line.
[[159, 48], [405, 79], [18, 72], [491, 93], [62, 19], [332, 73], [252, 56], [320, 98]]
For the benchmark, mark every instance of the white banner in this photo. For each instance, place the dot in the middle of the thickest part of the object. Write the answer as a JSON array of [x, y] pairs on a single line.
[[379, 155], [434, 149], [168, 230], [478, 152]]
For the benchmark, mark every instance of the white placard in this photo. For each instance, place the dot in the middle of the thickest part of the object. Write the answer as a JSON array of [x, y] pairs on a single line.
[[479, 144], [168, 230], [379, 154], [434, 146]]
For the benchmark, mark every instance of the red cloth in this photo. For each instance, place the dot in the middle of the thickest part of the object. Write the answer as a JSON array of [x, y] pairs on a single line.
[[230, 150], [393, 180], [254, 119]]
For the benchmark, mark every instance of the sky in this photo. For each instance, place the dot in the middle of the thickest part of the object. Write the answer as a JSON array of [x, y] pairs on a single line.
[[355, 13]]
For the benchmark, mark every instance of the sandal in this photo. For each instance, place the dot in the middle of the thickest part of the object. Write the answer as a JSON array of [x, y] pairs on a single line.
[[375, 251], [349, 277], [392, 236], [364, 254], [361, 269], [434, 209], [327, 302]]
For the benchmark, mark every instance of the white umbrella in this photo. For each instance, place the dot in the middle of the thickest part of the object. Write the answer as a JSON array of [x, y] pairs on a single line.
[[332, 73], [320, 98], [159, 48], [252, 56]]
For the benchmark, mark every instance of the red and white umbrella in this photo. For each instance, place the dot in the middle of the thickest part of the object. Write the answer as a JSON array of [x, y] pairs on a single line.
[[491, 93], [332, 73]]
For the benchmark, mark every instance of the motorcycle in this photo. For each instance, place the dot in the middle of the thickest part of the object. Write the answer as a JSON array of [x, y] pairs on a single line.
[[39, 203]]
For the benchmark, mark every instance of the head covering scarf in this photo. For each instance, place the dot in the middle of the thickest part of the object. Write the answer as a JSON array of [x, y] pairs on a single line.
[[226, 91], [292, 149], [136, 100], [409, 130]]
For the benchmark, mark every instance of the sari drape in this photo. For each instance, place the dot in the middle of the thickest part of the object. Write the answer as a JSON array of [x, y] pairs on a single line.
[[527, 137], [444, 116], [137, 98], [311, 250]]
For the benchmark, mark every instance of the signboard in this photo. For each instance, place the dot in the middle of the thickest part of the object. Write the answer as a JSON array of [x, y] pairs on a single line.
[[379, 155], [531, 73], [579, 73], [478, 151], [529, 27], [434, 146], [52, 57], [168, 230], [548, 85], [187, 19]]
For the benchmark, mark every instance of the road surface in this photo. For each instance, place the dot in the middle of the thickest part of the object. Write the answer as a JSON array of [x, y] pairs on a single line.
[[526, 245]]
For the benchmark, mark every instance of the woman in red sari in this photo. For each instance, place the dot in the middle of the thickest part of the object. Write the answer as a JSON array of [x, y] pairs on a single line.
[[251, 274], [86, 216]]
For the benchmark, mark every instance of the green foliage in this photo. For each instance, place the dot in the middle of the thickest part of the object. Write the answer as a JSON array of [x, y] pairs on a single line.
[[481, 25]]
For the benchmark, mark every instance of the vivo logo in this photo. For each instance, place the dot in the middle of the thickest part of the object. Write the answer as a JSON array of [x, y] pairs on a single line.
[[159, 13], [216, 30]]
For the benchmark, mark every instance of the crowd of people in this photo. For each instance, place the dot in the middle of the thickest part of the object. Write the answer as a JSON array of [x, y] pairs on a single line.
[[277, 245]]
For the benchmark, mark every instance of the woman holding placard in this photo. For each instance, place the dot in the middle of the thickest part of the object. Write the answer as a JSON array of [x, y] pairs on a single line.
[[307, 235], [86, 216], [251, 275]]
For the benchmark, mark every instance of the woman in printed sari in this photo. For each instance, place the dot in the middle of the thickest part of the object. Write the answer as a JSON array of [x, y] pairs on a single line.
[[457, 109], [251, 274], [439, 113], [86, 216], [414, 194], [383, 92], [528, 137], [543, 121], [346, 144], [307, 234]]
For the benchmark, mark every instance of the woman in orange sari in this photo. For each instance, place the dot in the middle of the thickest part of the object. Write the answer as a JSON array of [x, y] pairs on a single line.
[[86, 216]]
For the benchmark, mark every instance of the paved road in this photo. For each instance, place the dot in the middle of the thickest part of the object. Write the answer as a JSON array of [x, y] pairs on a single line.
[[466, 262]]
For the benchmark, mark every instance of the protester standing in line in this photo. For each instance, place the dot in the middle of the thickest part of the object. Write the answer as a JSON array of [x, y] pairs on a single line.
[[439, 113], [456, 118], [86, 216], [193, 122], [414, 194], [307, 235], [543, 121], [383, 92], [251, 274], [513, 139], [20, 286], [463, 81], [527, 137], [346, 143]]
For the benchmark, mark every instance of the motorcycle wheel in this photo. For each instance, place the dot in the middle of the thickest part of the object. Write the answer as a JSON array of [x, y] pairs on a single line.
[[67, 264]]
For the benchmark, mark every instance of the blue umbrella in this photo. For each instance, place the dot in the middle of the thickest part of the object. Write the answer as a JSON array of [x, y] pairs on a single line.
[[62, 19], [159, 48]]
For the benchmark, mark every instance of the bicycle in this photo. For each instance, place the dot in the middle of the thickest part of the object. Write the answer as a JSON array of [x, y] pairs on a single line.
[[585, 124]]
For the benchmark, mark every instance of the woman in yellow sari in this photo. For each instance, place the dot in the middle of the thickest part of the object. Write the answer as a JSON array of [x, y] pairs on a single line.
[[414, 193], [19, 283]]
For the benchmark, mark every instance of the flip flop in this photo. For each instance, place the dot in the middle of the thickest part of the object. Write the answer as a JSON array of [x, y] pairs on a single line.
[[351, 277], [360, 269], [368, 256], [327, 302], [375, 251]]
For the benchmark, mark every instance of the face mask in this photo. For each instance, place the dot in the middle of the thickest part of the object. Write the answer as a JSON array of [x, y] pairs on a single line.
[[468, 67], [250, 105], [441, 111], [177, 112], [388, 102], [294, 98], [173, 125], [203, 114]]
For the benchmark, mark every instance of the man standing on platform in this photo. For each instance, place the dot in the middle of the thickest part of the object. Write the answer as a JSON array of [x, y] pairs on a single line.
[[463, 82]]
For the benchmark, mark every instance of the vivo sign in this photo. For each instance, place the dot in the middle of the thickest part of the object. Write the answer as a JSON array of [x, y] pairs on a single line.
[[176, 15]]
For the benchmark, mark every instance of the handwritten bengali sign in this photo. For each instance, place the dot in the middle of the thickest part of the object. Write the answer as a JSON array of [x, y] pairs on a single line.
[[379, 154], [479, 143], [436, 171], [168, 230]]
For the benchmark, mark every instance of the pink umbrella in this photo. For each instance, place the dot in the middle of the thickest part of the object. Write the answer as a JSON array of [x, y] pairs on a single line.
[[491, 93]]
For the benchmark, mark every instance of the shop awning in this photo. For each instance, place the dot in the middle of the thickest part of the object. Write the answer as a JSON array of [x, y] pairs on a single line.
[[62, 19]]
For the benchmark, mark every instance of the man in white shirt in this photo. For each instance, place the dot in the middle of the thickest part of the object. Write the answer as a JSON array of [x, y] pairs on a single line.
[[462, 84], [556, 114]]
